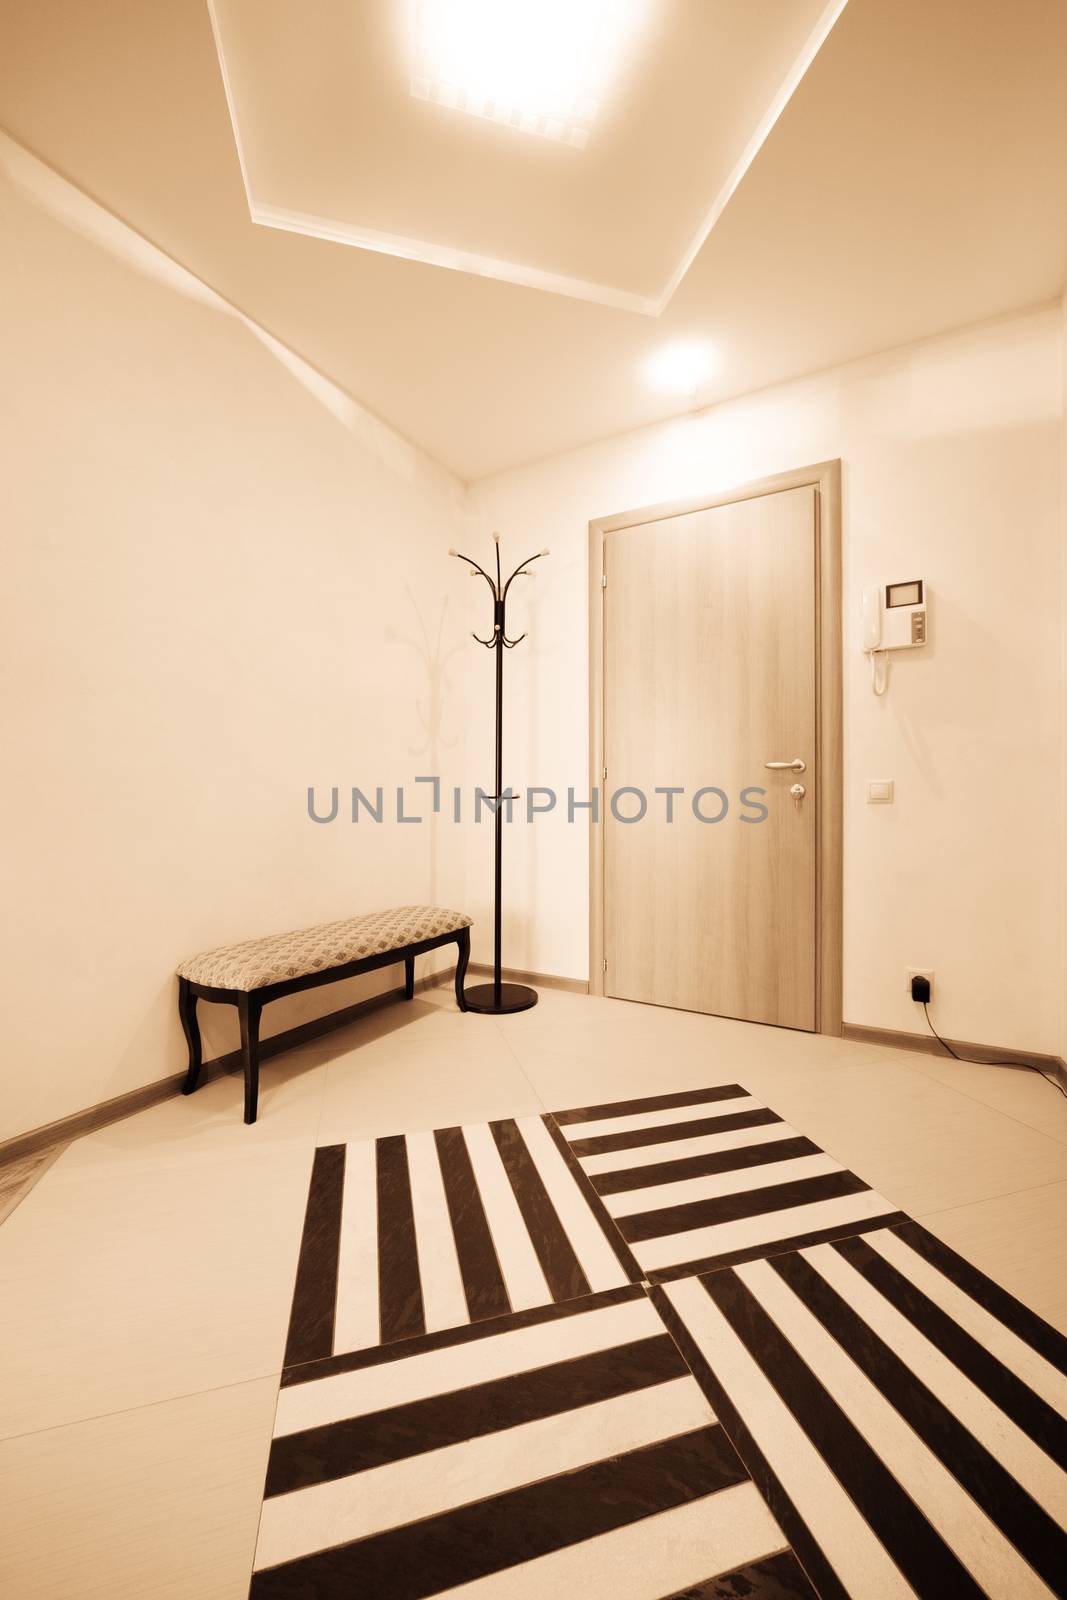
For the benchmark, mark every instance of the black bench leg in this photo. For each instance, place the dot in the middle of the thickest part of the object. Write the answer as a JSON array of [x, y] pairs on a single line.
[[191, 1029], [463, 942], [409, 977], [249, 1008]]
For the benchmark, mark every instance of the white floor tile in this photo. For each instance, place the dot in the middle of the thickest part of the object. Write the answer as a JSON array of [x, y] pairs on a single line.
[[1024, 1096], [149, 1285], [921, 1143], [157, 1503], [402, 1023], [437, 1083], [1020, 1240], [209, 1124]]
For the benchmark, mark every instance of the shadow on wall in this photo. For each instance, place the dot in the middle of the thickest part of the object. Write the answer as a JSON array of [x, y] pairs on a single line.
[[433, 655]]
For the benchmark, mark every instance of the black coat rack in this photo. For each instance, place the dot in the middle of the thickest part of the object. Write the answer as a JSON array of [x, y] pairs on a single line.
[[497, 997]]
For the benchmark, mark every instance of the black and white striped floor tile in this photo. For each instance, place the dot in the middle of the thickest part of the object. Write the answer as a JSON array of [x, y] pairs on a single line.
[[419, 1232], [904, 1417], [562, 1450], [710, 1177]]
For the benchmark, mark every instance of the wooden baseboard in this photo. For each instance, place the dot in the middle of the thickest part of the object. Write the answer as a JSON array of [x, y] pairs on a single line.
[[536, 980], [150, 1094], [984, 1054], [17, 1178]]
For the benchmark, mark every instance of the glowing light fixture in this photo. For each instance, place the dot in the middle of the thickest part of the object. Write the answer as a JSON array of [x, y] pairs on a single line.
[[679, 368], [541, 66]]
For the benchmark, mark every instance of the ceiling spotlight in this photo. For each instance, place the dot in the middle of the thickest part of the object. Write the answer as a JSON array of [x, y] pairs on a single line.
[[680, 368], [541, 66]]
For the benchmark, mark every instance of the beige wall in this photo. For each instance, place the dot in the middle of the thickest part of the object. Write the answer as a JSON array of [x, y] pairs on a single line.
[[223, 581], [951, 472], [1063, 689]]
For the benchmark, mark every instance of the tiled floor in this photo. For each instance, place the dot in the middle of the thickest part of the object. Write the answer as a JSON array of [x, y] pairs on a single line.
[[147, 1277]]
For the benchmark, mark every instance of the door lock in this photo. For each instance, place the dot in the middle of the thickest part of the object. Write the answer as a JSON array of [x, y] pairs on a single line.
[[798, 791]]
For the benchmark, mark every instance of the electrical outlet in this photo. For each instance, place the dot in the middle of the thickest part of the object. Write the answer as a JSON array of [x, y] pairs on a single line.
[[920, 972]]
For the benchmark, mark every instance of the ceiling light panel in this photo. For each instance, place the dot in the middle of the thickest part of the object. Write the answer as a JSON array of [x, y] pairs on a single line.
[[680, 368], [540, 66]]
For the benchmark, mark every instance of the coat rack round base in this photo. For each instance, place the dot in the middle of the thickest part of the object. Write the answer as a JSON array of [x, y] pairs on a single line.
[[512, 997]]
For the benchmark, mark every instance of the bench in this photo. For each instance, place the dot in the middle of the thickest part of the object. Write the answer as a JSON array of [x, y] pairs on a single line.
[[251, 975]]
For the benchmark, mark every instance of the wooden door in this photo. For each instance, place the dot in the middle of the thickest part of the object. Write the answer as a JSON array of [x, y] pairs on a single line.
[[710, 673]]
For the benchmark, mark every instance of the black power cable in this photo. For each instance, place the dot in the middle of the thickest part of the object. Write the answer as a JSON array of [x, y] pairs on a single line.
[[1029, 1065]]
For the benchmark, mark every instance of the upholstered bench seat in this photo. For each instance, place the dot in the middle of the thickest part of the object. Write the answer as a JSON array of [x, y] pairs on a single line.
[[256, 963], [250, 974]]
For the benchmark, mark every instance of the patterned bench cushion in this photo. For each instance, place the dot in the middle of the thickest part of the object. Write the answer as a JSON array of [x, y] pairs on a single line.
[[258, 962]]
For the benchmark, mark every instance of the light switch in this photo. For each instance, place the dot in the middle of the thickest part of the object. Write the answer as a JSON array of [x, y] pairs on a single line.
[[879, 791]]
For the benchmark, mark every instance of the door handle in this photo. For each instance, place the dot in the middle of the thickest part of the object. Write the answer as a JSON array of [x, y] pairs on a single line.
[[796, 765]]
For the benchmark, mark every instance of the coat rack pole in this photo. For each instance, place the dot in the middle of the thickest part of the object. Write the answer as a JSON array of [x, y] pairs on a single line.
[[498, 997], [498, 876]]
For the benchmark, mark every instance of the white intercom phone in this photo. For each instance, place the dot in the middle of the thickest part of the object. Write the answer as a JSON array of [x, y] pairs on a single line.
[[894, 618]]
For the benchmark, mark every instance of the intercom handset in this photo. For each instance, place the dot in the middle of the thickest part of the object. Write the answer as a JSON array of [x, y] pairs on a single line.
[[872, 618], [894, 618]]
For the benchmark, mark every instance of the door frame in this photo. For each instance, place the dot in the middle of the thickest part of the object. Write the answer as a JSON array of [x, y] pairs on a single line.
[[825, 479]]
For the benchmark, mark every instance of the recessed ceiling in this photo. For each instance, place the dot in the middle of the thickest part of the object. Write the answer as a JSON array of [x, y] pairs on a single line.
[[915, 182], [645, 116]]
